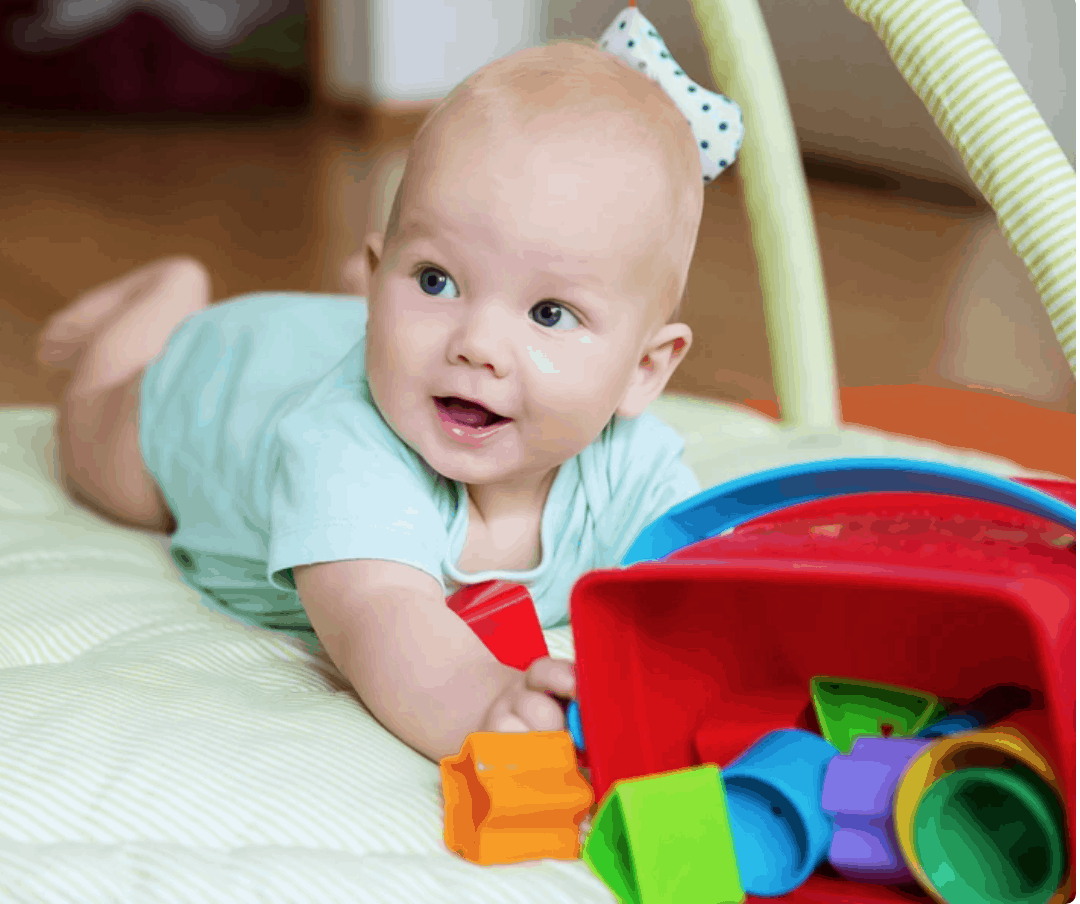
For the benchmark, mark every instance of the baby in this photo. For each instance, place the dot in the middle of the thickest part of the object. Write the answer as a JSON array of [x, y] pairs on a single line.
[[336, 465]]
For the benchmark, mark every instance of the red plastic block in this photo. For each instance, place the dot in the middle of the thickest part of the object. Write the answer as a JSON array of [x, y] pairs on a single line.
[[1065, 490], [717, 645], [503, 616]]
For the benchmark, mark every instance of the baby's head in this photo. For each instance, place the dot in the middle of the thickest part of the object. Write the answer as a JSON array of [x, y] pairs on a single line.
[[537, 250]]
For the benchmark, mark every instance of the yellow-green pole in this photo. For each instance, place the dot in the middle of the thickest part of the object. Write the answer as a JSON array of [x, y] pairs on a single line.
[[781, 220]]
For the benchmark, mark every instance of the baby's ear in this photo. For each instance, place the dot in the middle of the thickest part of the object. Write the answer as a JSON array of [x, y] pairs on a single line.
[[359, 269], [665, 352]]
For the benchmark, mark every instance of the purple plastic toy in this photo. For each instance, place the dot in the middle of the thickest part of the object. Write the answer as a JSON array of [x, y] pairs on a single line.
[[859, 792]]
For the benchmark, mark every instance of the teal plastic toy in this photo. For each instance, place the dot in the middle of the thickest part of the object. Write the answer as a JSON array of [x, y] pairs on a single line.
[[991, 836]]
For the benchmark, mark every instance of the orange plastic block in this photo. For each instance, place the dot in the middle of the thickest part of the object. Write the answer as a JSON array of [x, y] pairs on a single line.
[[514, 796]]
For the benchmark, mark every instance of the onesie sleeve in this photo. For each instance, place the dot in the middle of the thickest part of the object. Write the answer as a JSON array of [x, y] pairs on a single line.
[[645, 476], [344, 487]]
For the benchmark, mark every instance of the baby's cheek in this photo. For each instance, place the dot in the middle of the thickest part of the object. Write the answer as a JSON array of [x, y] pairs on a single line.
[[558, 436], [542, 362], [584, 401], [569, 383], [421, 332]]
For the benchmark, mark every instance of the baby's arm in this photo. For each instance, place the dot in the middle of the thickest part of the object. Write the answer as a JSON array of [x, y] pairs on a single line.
[[416, 664]]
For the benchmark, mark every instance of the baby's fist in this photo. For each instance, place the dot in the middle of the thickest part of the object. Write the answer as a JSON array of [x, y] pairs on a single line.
[[528, 704]]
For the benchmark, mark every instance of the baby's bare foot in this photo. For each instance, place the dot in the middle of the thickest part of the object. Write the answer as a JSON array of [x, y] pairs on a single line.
[[69, 332]]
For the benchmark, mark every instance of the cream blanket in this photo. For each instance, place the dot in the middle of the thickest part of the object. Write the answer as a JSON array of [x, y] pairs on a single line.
[[152, 751]]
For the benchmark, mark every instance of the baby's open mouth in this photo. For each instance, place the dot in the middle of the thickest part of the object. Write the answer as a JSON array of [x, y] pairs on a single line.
[[468, 414]]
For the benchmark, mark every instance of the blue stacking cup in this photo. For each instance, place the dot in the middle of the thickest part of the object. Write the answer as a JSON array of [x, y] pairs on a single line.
[[781, 833], [954, 724], [573, 725]]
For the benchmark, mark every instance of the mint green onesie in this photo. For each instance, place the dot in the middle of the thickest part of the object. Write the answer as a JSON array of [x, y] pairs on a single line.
[[258, 424]]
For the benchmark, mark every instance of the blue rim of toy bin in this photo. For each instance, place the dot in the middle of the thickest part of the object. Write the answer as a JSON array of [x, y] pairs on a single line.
[[724, 507]]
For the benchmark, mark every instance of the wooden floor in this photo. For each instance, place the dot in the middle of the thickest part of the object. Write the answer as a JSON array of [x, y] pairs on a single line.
[[280, 204]]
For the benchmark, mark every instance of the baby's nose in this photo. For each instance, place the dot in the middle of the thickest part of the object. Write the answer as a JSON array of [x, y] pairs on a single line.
[[485, 342]]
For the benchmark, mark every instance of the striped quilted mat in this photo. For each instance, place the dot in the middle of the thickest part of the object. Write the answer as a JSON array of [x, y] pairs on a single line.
[[152, 751]]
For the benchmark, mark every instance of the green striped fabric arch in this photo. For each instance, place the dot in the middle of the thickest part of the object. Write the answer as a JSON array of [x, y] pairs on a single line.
[[981, 108]]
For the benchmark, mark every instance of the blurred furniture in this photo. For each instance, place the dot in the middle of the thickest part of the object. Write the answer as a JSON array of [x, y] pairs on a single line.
[[140, 65]]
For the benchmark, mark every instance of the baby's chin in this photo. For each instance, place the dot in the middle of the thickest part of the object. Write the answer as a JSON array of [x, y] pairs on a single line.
[[477, 467], [506, 465]]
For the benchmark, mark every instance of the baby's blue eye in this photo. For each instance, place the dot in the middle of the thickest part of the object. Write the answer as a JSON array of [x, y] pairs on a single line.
[[554, 316], [434, 282]]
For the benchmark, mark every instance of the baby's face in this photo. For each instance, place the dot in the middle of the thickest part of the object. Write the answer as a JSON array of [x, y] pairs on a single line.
[[510, 311]]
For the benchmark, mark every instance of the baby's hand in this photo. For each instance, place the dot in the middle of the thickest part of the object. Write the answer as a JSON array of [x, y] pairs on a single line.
[[527, 704]]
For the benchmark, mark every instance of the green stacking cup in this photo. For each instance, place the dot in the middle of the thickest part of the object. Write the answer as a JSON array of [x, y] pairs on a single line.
[[991, 836]]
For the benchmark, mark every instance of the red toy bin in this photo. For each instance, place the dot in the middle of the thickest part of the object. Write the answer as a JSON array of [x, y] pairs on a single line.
[[683, 663]]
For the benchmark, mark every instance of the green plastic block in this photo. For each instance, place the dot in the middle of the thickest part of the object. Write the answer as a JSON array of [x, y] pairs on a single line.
[[666, 839], [847, 710]]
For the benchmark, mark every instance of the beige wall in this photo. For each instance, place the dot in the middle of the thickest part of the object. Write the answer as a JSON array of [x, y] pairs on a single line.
[[400, 53], [997, 334]]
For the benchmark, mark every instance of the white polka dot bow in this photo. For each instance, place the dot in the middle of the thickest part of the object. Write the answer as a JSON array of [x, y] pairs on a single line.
[[716, 120]]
